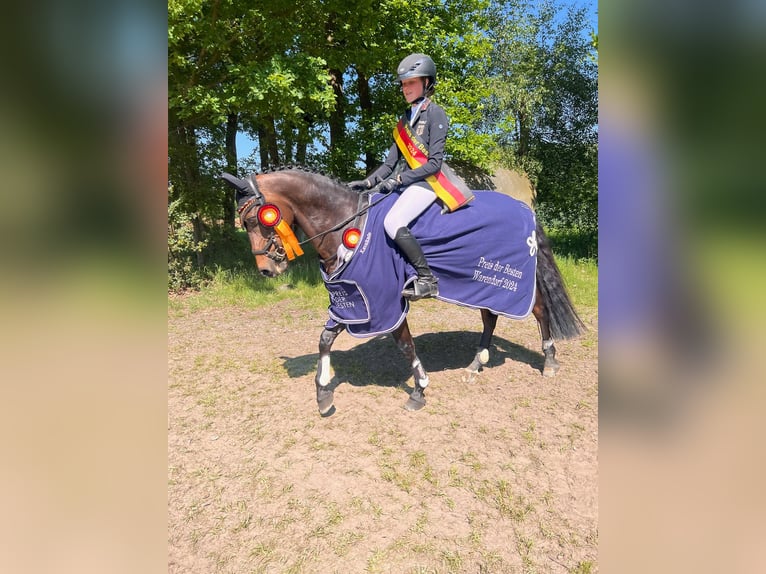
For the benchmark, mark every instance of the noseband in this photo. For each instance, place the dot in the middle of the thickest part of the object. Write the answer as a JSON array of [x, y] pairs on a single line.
[[272, 250]]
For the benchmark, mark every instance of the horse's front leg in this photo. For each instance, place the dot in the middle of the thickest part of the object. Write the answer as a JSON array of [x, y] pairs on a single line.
[[406, 345], [489, 319], [324, 369], [540, 311]]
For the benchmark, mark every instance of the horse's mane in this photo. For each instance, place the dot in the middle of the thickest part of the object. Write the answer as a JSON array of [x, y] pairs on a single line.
[[243, 193], [311, 170]]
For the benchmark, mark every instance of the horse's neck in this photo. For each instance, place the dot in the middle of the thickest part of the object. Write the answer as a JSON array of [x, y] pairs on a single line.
[[319, 205]]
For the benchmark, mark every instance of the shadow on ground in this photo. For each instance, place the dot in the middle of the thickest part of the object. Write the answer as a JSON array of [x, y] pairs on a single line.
[[377, 361]]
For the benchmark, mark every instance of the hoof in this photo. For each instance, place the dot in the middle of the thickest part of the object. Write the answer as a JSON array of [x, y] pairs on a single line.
[[472, 370], [416, 401], [414, 405], [550, 369], [324, 400]]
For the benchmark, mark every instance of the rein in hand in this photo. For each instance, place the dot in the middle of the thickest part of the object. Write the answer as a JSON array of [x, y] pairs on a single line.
[[351, 218]]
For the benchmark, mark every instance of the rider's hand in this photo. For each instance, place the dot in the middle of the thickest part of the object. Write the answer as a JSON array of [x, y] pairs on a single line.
[[389, 185], [360, 184]]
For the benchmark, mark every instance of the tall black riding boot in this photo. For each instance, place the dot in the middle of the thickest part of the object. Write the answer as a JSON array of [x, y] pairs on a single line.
[[426, 284]]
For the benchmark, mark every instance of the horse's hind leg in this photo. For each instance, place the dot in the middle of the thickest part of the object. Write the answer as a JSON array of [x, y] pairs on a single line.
[[324, 370], [489, 319], [406, 345], [551, 366]]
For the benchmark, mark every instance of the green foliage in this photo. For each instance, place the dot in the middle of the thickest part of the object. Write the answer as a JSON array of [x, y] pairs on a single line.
[[183, 248], [567, 185], [314, 83], [577, 242]]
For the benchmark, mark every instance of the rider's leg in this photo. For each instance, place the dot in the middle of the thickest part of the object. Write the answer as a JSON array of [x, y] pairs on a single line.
[[413, 201], [426, 283]]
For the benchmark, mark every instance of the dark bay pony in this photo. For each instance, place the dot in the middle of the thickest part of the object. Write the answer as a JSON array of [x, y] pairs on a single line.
[[272, 204]]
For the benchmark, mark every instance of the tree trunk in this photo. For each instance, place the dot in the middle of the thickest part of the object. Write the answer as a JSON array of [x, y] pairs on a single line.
[[229, 208], [365, 103], [271, 140], [338, 163], [267, 140], [523, 148], [263, 147], [302, 143], [287, 137]]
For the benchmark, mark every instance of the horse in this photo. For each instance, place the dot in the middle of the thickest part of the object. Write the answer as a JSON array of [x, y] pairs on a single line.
[[330, 214]]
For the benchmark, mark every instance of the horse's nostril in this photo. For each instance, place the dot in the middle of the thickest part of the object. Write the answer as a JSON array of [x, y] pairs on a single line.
[[266, 273]]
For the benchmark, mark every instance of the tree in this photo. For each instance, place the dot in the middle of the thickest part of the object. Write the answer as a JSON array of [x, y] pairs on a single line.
[[567, 142], [231, 64], [543, 109]]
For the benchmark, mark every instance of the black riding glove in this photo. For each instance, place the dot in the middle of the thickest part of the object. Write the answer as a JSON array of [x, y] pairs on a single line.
[[360, 184], [389, 185]]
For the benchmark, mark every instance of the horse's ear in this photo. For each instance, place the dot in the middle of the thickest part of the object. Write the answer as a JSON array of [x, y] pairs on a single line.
[[240, 185]]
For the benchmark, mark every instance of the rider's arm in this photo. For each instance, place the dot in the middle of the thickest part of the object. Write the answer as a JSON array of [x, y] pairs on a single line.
[[437, 137], [386, 168]]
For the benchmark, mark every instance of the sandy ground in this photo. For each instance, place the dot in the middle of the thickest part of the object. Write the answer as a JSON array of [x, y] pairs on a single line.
[[492, 477]]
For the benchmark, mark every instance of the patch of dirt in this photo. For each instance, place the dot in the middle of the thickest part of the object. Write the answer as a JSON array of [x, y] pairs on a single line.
[[496, 476]]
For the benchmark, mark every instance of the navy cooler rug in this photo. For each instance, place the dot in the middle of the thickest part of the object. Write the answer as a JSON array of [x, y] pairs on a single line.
[[484, 255]]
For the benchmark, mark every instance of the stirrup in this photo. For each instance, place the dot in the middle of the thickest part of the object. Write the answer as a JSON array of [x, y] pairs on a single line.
[[422, 287]]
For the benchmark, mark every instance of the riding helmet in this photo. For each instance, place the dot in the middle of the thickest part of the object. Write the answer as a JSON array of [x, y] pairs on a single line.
[[417, 66]]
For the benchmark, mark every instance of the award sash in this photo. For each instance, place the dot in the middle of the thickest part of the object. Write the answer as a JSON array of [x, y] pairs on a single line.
[[415, 152]]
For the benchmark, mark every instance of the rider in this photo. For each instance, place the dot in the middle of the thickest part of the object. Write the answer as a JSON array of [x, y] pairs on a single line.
[[417, 76]]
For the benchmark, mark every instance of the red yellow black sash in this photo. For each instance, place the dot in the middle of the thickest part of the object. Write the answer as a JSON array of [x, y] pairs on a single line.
[[416, 154]]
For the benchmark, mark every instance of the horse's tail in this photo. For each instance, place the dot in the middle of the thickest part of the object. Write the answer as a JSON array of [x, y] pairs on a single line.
[[562, 317]]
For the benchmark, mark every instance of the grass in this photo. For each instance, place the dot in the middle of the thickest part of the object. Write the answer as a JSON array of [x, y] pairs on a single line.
[[583, 568], [581, 280], [245, 288], [233, 280]]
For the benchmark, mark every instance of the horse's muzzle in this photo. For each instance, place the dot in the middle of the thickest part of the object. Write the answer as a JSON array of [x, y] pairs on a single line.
[[267, 267]]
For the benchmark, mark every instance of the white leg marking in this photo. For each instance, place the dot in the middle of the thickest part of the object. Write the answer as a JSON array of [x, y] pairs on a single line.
[[325, 374], [421, 378]]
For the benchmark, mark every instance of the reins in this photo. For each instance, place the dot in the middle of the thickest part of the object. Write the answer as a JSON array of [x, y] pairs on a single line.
[[351, 218]]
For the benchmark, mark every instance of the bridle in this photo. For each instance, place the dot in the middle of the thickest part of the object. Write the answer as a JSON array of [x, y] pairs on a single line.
[[277, 254], [273, 249]]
